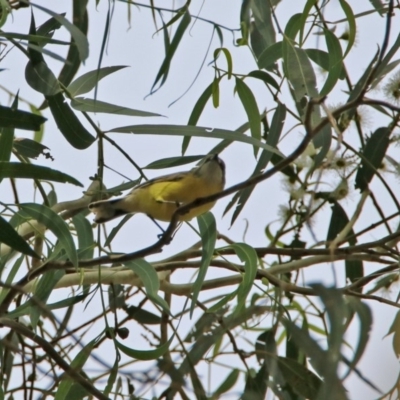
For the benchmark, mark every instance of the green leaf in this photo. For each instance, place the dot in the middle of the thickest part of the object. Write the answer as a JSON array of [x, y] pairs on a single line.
[[77, 363], [377, 4], [72, 63], [7, 139], [322, 59], [351, 20], [84, 232], [42, 292], [262, 34], [29, 148], [228, 58], [199, 106], [173, 162], [372, 157], [10, 237], [270, 55], [265, 77], [197, 131], [256, 384], [148, 275], [365, 319], [78, 36], [30, 171], [250, 105], [302, 381], [41, 78], [299, 71], [68, 123], [142, 316], [247, 255], [241, 197], [10, 118], [56, 224], [88, 81], [208, 234], [11, 275], [227, 384], [163, 72], [335, 62], [144, 355], [97, 106]]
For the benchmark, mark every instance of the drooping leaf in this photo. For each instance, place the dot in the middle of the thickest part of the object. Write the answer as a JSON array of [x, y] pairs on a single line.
[[247, 255], [351, 20], [10, 118], [250, 105], [30, 171], [73, 61], [68, 123], [79, 37], [270, 55], [30, 148], [335, 62], [88, 81], [197, 131], [41, 78], [97, 106], [163, 71], [10, 237], [208, 234], [56, 224], [148, 275], [372, 157], [172, 162]]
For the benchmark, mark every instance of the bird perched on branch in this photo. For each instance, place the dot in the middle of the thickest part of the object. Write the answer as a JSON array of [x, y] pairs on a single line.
[[160, 197]]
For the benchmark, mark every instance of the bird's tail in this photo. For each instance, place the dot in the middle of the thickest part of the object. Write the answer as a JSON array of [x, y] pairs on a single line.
[[106, 210]]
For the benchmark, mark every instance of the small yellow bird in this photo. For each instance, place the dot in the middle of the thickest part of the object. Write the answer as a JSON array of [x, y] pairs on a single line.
[[159, 198]]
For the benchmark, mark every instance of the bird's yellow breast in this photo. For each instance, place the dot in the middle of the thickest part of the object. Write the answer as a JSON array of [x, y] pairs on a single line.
[[161, 198]]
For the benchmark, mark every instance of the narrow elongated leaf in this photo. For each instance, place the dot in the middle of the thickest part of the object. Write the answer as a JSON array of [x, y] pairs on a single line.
[[97, 106], [80, 19], [77, 363], [172, 162], [30, 148], [7, 139], [208, 234], [30, 171], [163, 72], [335, 62], [322, 58], [302, 381], [199, 106], [263, 33], [300, 71], [227, 384], [56, 224], [42, 292], [241, 197], [197, 131], [144, 355], [148, 275], [270, 55], [84, 232], [10, 237], [79, 37], [41, 78], [247, 255], [351, 20], [365, 318], [19, 119], [68, 123], [372, 157], [88, 81], [265, 77], [250, 105]]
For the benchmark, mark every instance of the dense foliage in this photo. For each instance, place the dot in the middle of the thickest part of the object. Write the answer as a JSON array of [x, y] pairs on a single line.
[[245, 321]]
